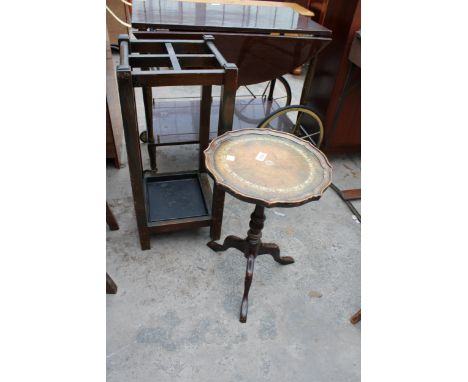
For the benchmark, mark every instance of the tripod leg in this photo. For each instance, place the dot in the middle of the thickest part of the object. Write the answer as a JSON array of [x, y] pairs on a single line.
[[273, 250], [247, 283], [230, 242]]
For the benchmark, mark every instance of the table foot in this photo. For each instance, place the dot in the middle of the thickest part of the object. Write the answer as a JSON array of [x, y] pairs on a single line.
[[248, 281], [230, 242], [273, 250]]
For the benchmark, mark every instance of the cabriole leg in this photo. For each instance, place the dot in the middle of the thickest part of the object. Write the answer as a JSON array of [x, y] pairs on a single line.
[[248, 281], [273, 250]]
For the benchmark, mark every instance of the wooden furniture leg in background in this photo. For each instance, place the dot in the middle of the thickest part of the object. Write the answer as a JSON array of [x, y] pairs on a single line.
[[356, 317], [110, 219], [114, 127], [111, 287]]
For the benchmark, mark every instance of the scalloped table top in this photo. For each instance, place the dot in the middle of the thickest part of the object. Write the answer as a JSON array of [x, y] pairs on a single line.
[[268, 167]]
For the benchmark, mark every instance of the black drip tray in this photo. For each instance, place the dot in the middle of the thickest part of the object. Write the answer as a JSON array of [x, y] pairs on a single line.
[[174, 197]]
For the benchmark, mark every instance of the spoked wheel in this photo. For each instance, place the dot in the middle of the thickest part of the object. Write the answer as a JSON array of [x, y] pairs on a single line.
[[303, 122], [144, 136], [267, 96], [299, 120]]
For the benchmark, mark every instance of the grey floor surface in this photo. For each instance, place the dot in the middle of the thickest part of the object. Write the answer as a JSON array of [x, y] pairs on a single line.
[[175, 315]]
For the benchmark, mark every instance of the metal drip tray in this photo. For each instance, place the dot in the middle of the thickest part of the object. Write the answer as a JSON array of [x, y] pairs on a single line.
[[170, 197]]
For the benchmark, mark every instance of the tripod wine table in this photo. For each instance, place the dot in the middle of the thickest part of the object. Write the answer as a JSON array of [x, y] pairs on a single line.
[[269, 169]]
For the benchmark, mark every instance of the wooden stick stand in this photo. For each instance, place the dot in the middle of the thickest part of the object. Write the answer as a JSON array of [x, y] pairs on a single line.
[[180, 62]]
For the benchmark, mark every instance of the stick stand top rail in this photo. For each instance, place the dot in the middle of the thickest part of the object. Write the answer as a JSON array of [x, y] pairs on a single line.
[[165, 62]]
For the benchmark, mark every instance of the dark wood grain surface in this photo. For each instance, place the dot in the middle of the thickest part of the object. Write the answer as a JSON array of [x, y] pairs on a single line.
[[334, 92], [258, 57], [183, 15]]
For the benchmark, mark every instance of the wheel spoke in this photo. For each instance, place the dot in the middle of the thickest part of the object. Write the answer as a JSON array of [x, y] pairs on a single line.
[[250, 91], [241, 110], [310, 135], [279, 98], [266, 87]]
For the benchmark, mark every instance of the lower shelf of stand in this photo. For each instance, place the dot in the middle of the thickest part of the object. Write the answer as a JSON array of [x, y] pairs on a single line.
[[177, 201], [178, 121]]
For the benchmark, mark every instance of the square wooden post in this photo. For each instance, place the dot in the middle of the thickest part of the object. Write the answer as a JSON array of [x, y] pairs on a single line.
[[130, 121]]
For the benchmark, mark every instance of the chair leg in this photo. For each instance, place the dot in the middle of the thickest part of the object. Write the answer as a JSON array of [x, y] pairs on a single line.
[[110, 219], [356, 317], [111, 286]]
